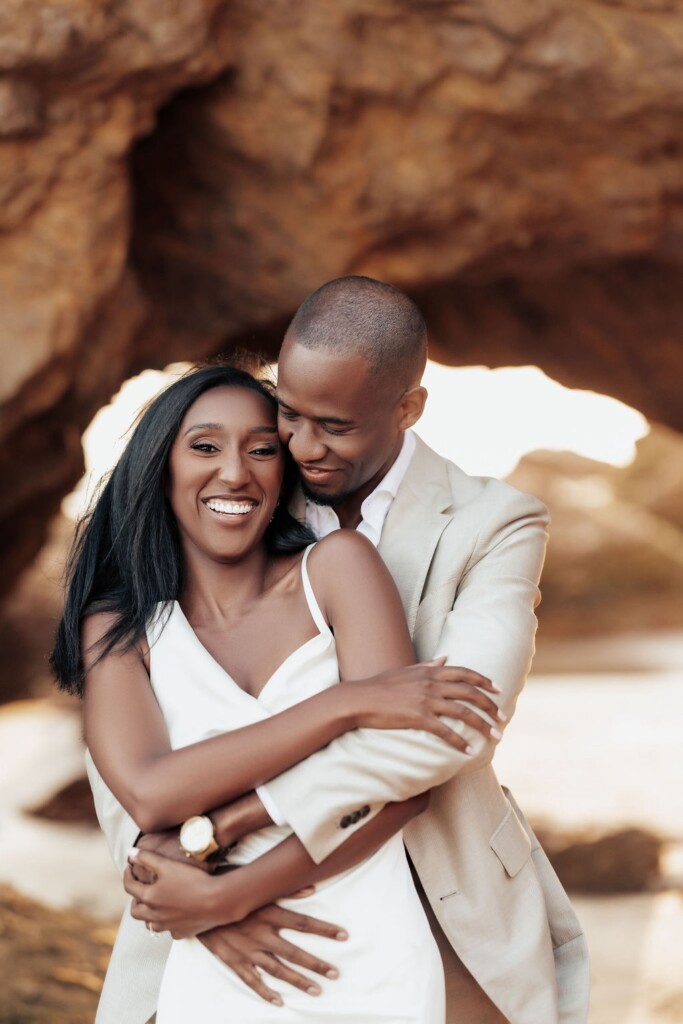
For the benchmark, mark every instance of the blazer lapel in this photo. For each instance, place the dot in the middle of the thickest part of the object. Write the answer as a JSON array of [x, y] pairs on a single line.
[[417, 518]]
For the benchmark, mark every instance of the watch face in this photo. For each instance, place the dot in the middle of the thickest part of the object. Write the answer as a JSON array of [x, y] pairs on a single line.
[[196, 834]]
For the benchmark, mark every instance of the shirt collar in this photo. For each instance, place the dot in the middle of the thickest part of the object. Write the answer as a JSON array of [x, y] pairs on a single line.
[[323, 519]]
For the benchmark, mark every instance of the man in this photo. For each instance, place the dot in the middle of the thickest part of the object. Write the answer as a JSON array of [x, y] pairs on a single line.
[[466, 554]]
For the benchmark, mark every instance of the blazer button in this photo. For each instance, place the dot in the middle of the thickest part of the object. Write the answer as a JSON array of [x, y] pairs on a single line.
[[346, 821], [364, 811], [355, 817]]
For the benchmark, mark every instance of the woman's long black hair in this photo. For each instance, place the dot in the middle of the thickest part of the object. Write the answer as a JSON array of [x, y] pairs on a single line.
[[126, 556]]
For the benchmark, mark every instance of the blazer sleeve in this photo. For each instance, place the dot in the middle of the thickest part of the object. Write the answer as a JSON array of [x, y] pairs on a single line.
[[489, 625], [119, 828]]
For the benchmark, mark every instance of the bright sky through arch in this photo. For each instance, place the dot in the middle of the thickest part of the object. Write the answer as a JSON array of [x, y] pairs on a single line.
[[484, 420]]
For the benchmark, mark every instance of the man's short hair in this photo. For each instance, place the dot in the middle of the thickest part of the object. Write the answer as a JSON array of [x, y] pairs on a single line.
[[361, 316]]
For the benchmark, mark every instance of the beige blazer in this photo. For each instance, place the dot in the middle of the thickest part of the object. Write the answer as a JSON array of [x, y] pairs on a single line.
[[466, 554]]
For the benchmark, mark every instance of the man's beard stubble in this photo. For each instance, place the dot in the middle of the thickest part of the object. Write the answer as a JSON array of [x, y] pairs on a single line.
[[325, 499]]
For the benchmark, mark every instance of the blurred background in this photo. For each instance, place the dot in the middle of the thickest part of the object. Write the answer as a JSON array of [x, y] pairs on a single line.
[[175, 179]]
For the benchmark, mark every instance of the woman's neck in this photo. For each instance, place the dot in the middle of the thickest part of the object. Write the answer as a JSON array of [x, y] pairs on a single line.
[[222, 590]]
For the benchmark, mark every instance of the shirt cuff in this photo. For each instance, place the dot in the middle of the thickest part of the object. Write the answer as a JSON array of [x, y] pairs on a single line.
[[270, 806]]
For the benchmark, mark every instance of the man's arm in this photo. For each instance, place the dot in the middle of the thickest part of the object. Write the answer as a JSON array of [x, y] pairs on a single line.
[[490, 628]]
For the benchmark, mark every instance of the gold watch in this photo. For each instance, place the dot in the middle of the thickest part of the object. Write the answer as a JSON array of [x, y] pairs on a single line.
[[197, 839]]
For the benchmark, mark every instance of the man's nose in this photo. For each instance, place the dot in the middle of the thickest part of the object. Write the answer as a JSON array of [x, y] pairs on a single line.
[[305, 444]]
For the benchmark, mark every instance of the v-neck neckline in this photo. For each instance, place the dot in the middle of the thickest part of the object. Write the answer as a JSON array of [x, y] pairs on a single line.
[[255, 697]]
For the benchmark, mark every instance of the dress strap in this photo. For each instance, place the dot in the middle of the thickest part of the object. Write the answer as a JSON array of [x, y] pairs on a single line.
[[313, 606]]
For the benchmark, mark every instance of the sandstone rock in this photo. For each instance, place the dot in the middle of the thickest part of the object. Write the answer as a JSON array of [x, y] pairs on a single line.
[[626, 860], [513, 163], [615, 557]]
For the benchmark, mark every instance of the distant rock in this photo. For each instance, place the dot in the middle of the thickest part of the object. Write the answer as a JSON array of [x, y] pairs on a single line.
[[73, 805], [615, 557], [623, 861]]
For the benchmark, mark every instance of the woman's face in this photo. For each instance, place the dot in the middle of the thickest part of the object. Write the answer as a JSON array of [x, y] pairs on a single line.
[[225, 472]]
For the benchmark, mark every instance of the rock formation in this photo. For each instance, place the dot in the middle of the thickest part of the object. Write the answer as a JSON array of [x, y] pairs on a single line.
[[515, 164]]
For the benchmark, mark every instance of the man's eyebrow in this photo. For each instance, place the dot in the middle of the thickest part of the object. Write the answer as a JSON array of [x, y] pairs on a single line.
[[337, 420], [265, 429]]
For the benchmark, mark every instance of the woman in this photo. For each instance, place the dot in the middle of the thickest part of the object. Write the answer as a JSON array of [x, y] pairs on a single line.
[[206, 634]]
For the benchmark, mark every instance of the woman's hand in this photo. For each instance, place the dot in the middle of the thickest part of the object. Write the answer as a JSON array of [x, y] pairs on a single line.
[[179, 899], [418, 696]]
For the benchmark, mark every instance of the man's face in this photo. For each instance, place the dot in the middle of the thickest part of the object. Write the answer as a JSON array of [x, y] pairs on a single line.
[[342, 425]]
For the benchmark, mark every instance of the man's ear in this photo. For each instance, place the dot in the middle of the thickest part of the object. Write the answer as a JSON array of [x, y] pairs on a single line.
[[411, 406]]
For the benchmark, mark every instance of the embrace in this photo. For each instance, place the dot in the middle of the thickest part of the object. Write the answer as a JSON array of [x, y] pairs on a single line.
[[305, 815]]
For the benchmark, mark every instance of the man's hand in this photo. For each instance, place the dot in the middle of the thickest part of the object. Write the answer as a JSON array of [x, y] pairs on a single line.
[[255, 944]]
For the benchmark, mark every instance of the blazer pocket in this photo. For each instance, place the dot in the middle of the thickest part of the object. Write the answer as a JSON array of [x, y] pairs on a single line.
[[511, 844]]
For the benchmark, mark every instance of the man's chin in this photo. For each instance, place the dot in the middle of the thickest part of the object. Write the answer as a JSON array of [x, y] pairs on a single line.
[[324, 497]]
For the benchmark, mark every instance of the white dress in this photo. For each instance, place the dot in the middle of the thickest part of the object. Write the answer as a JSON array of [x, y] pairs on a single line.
[[390, 968]]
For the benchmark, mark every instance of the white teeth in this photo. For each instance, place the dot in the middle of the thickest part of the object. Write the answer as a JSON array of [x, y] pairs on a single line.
[[230, 508]]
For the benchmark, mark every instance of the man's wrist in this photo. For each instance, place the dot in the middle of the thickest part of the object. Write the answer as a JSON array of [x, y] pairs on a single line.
[[228, 907]]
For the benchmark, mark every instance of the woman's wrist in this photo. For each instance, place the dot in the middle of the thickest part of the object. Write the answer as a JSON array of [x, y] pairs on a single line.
[[342, 704]]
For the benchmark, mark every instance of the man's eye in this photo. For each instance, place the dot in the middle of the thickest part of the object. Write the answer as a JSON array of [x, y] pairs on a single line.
[[331, 430]]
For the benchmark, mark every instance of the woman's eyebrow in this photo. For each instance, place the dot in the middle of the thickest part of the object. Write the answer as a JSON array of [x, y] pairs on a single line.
[[265, 429]]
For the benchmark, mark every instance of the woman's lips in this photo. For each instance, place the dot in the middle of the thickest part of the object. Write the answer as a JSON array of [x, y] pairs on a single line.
[[230, 511]]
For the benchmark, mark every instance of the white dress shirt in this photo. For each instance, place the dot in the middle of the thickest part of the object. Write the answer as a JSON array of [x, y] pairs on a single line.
[[322, 519]]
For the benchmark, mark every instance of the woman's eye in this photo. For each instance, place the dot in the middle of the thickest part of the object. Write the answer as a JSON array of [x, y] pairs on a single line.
[[288, 415], [267, 449], [204, 446]]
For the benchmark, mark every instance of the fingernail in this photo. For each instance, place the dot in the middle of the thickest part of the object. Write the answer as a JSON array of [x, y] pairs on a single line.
[[342, 935], [469, 750], [133, 852], [501, 716], [313, 990], [496, 689], [332, 973], [276, 1001], [496, 735]]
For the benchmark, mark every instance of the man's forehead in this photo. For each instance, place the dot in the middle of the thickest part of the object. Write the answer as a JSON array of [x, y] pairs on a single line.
[[323, 382]]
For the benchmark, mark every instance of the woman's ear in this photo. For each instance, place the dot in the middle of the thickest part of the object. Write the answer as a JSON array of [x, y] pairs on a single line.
[[411, 406]]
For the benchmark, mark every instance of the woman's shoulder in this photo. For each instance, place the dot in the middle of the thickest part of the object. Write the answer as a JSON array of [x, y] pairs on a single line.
[[338, 563], [338, 547]]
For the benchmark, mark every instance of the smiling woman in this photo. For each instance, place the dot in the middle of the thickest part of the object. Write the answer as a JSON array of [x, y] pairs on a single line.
[[226, 468], [127, 556]]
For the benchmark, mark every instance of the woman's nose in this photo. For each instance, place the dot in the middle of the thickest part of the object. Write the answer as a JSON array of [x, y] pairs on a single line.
[[233, 470]]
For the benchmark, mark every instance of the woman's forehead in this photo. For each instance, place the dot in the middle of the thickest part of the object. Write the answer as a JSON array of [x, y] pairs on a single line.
[[231, 405]]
